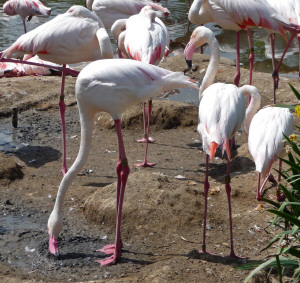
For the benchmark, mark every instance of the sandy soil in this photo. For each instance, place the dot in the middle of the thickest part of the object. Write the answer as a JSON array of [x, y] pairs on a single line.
[[162, 219]]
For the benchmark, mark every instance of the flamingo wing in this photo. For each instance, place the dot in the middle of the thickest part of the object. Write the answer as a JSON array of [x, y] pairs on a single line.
[[266, 140], [221, 113]]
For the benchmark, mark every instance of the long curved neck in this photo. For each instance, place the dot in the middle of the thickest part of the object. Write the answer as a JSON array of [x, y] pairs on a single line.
[[213, 65], [253, 105], [199, 13]]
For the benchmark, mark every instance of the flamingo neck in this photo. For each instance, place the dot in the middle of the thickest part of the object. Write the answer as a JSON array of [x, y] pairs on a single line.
[[253, 106], [199, 13], [213, 65]]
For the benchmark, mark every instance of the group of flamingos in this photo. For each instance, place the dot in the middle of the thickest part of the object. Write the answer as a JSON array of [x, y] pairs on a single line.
[[113, 85]]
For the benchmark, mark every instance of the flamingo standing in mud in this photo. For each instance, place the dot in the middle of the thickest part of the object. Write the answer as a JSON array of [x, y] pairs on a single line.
[[237, 15], [142, 37], [221, 113], [112, 86], [26, 8], [110, 11], [266, 141], [75, 36]]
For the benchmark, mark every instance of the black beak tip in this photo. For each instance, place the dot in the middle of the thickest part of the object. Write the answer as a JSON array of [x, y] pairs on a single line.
[[189, 63]]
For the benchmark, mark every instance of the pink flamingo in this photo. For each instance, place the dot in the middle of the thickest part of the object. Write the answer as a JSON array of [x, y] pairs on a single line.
[[266, 141], [290, 10], [75, 36], [110, 11], [221, 113], [237, 15], [110, 85], [26, 8], [151, 47]]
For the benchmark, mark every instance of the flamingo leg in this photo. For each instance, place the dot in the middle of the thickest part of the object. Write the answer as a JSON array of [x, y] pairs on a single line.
[[275, 73], [228, 192], [259, 190], [145, 163], [62, 108], [24, 26], [123, 174], [279, 195], [238, 72], [144, 140], [251, 57], [206, 188]]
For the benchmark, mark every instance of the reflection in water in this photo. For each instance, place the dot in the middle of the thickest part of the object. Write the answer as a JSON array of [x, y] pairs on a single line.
[[180, 30]]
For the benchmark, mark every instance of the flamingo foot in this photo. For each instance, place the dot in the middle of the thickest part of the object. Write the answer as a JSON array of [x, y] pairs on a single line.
[[145, 164], [144, 140], [110, 260], [204, 251], [109, 249], [233, 255], [53, 246]]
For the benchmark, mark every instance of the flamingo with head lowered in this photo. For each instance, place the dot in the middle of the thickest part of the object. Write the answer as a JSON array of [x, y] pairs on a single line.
[[142, 37], [221, 114], [112, 86], [26, 8], [75, 36]]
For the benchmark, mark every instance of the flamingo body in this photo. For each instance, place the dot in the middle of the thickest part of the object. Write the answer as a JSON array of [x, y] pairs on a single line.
[[221, 114], [110, 85], [75, 36], [110, 11], [265, 140]]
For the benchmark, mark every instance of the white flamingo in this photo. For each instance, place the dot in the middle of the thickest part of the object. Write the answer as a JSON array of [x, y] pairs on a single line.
[[266, 141], [110, 11], [237, 15], [111, 85], [142, 37], [26, 8], [221, 113], [75, 36]]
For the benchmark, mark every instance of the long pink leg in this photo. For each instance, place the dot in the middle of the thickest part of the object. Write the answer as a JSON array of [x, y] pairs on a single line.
[[228, 191], [144, 139], [62, 108], [206, 188], [124, 176], [298, 37], [145, 163], [275, 73], [251, 56], [238, 72]]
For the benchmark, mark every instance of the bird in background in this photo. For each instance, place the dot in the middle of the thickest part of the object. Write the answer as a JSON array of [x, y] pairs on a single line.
[[26, 8], [110, 11], [73, 37], [290, 10], [266, 142], [241, 15], [110, 85], [142, 37], [221, 114]]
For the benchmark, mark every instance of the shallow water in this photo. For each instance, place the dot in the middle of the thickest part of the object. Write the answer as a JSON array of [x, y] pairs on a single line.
[[11, 28]]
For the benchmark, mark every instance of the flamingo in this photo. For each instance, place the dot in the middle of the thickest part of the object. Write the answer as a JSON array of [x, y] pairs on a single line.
[[266, 141], [75, 36], [110, 85], [290, 10], [221, 113], [26, 8], [144, 38], [237, 15], [110, 11]]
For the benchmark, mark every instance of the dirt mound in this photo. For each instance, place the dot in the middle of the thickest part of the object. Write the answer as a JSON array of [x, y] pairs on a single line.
[[9, 170], [150, 199], [165, 115]]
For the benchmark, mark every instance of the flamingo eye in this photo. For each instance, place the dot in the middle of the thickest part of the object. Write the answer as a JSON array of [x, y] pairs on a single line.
[[71, 10]]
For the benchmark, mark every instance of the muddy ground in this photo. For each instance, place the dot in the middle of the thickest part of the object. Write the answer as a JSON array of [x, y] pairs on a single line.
[[163, 212]]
